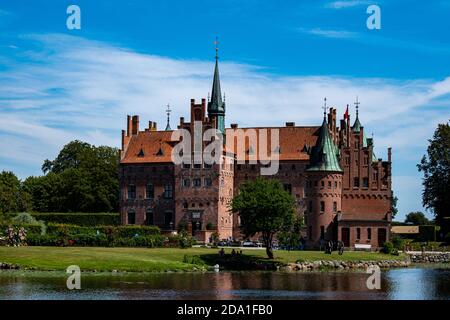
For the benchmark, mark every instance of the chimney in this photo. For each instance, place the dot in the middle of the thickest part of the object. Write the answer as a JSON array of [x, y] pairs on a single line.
[[290, 124], [128, 125], [135, 125], [234, 126], [390, 154], [123, 140]]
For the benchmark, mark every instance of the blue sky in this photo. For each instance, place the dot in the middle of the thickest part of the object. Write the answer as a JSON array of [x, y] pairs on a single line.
[[278, 60]]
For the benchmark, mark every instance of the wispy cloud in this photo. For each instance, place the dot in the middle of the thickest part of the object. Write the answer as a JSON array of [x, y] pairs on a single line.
[[328, 33], [346, 4], [71, 88]]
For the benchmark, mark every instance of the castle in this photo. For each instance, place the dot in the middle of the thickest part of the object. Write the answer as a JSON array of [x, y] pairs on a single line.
[[340, 187]]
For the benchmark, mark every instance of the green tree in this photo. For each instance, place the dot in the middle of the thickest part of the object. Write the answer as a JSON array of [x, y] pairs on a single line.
[[82, 178], [436, 170], [417, 218], [264, 207], [394, 209], [13, 197]]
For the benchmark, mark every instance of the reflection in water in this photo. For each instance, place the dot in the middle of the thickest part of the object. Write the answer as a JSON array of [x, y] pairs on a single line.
[[411, 283]]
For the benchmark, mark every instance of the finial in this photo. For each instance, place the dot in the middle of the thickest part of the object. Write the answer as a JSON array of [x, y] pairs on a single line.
[[324, 107], [209, 98], [216, 43], [224, 96], [357, 103], [168, 111]]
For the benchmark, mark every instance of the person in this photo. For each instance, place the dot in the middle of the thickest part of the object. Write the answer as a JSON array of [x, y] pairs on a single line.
[[221, 252], [233, 252], [302, 243], [340, 247]]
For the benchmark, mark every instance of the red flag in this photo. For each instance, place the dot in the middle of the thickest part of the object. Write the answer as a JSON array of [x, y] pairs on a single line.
[[346, 114]]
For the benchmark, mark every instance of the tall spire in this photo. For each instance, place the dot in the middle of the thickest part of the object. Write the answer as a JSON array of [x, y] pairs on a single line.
[[216, 107], [168, 111], [324, 155], [357, 125]]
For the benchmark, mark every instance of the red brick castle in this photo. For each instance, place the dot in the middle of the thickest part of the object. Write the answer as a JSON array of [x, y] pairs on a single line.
[[341, 188]]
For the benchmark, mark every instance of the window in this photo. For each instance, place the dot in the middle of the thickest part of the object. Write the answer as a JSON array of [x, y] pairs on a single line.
[[185, 205], [369, 233], [149, 217], [197, 165], [356, 182], [186, 165], [322, 232], [288, 187], [207, 166], [197, 182], [208, 182], [329, 184], [365, 182], [131, 218], [293, 167], [334, 206], [239, 167], [150, 191], [168, 219], [186, 183], [168, 191], [322, 206], [131, 191], [335, 185], [322, 184], [358, 233]]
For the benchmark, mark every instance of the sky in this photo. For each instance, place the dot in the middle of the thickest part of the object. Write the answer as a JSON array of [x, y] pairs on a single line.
[[278, 60]]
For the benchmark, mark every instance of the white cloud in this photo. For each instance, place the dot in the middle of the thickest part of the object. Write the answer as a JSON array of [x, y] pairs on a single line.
[[72, 88], [328, 33], [346, 4]]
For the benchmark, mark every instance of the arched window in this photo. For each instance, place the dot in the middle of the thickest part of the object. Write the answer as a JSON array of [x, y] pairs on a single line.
[[131, 191]]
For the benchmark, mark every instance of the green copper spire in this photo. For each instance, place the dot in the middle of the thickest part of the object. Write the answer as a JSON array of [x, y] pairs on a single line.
[[216, 107], [324, 155]]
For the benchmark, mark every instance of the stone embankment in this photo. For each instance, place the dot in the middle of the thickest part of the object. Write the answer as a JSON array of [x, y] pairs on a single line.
[[8, 266], [343, 265], [438, 257]]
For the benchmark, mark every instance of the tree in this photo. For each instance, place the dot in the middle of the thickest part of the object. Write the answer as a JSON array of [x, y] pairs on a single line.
[[82, 178], [394, 209], [417, 218], [263, 207], [13, 198], [436, 170]]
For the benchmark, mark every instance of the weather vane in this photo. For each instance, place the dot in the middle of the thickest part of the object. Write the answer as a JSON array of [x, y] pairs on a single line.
[[216, 43], [168, 111], [357, 103], [324, 107]]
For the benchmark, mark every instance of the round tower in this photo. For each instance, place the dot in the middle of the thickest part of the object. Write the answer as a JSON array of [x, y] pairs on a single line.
[[323, 189]]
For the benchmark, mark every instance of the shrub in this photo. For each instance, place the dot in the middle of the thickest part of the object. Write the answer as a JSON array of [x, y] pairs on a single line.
[[398, 242], [24, 219], [81, 219], [387, 247], [193, 260]]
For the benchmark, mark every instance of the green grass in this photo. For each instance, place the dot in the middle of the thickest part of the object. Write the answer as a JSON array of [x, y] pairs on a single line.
[[149, 260]]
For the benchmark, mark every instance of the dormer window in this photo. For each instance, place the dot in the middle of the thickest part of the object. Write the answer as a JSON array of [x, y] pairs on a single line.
[[141, 153], [160, 152]]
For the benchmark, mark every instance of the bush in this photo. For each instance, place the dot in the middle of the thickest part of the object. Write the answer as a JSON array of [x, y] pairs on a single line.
[[81, 219], [23, 219], [193, 260], [398, 242], [387, 247]]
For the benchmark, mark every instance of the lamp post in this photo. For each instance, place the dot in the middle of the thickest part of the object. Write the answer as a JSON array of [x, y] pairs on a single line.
[[171, 225]]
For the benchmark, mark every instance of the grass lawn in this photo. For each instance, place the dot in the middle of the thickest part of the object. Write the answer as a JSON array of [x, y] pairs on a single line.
[[146, 260]]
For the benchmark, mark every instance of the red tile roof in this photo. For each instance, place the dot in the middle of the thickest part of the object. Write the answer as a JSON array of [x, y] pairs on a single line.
[[157, 145]]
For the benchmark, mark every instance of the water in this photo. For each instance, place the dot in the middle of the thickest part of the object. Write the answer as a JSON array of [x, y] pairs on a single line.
[[409, 283]]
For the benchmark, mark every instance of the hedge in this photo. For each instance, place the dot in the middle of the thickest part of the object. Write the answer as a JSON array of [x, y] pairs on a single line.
[[81, 219]]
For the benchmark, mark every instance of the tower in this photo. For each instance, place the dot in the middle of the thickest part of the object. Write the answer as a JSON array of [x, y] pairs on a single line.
[[324, 187], [216, 106]]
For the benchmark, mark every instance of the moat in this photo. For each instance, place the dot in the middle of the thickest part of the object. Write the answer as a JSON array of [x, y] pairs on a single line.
[[420, 283]]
